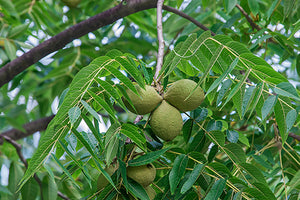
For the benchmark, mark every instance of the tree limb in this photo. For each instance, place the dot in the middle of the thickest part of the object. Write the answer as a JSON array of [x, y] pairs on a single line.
[[161, 44], [296, 137], [251, 22], [182, 14], [31, 128], [125, 8]]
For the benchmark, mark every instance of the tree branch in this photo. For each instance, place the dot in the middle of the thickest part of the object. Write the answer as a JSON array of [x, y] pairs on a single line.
[[253, 25], [31, 128], [296, 137], [125, 8], [182, 14], [161, 44]]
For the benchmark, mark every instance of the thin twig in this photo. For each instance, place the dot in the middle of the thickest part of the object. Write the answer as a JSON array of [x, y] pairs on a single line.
[[138, 119], [253, 25], [293, 135], [61, 195], [161, 45], [182, 14]]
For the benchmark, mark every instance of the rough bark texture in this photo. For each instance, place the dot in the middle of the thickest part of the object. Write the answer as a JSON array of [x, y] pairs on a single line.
[[31, 128], [125, 8]]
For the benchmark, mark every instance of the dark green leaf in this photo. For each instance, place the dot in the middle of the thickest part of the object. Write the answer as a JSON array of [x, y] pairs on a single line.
[[49, 188], [217, 137], [192, 178], [225, 87], [254, 172], [216, 190], [137, 190], [135, 134], [235, 152], [147, 158], [218, 81], [177, 171], [30, 190]]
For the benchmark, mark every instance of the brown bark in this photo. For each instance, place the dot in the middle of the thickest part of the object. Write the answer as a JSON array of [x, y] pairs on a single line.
[[31, 128], [125, 8]]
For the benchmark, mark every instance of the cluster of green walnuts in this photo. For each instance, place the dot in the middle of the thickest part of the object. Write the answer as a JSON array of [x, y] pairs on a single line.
[[165, 121]]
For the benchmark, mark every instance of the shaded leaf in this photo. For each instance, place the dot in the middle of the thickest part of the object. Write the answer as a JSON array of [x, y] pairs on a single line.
[[192, 178], [147, 158], [216, 190], [254, 172], [49, 188], [218, 81], [135, 134], [137, 190], [177, 171], [30, 190], [235, 152]]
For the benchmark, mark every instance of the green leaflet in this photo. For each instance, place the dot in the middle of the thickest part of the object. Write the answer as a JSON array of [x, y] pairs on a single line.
[[281, 109], [147, 158], [111, 91], [235, 152], [177, 171], [237, 87], [216, 190], [220, 168], [30, 190], [254, 172], [286, 89], [268, 106], [111, 142], [131, 69], [58, 127], [64, 170], [192, 178], [49, 188], [247, 99], [135, 134], [217, 82], [137, 189], [74, 114]]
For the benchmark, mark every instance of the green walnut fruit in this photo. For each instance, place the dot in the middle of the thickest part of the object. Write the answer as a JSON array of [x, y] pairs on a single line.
[[166, 121], [144, 174], [151, 192], [177, 95], [102, 181], [71, 3], [145, 103]]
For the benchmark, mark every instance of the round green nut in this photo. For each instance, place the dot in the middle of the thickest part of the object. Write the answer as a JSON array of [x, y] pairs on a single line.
[[102, 181], [166, 121], [145, 103], [144, 174], [177, 95]]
